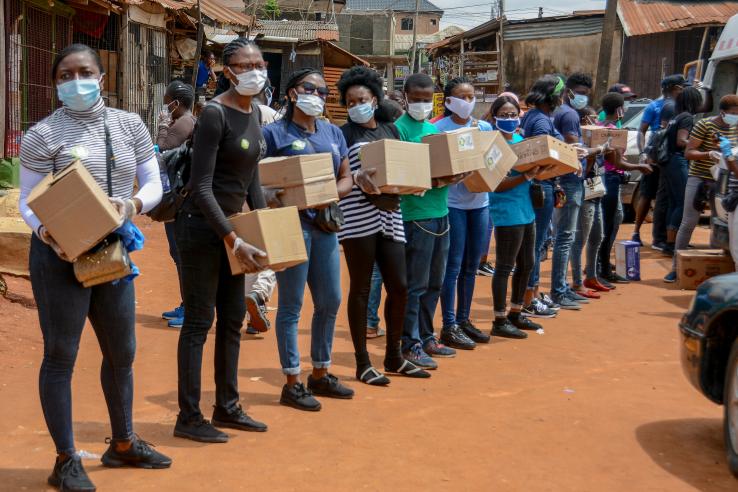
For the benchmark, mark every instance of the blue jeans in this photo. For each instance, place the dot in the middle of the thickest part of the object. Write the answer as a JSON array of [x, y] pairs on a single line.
[[322, 273], [426, 253], [675, 178], [565, 227], [488, 235], [375, 297], [467, 233], [543, 222], [589, 234], [63, 307], [612, 217]]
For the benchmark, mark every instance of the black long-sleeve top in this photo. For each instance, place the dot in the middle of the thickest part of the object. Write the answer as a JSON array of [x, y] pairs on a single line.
[[227, 147]]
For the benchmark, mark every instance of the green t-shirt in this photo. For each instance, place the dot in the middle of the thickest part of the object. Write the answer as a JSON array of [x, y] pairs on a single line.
[[434, 204]]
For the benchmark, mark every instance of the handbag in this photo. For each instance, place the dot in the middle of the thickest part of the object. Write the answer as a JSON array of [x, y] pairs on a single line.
[[594, 188], [108, 260], [537, 195], [329, 219]]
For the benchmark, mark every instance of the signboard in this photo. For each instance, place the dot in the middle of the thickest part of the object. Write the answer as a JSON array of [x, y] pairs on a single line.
[[438, 106]]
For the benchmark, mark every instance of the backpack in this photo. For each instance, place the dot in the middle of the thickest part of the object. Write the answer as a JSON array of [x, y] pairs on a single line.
[[658, 145]]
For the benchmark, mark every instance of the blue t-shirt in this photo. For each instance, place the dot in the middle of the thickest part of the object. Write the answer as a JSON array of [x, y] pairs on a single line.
[[512, 207], [536, 123], [652, 114], [203, 74], [567, 122], [458, 196]]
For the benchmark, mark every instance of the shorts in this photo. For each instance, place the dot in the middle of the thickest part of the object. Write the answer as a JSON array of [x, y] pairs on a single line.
[[650, 184]]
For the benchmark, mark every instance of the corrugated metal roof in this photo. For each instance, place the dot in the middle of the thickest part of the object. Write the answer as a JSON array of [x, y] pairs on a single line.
[[175, 4], [640, 18], [397, 5], [302, 30], [553, 28], [403, 42], [216, 11]]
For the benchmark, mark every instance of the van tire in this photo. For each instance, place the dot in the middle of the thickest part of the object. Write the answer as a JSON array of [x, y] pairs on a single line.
[[730, 410]]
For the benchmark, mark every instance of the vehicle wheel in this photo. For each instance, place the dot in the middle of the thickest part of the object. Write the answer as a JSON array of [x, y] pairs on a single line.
[[730, 405]]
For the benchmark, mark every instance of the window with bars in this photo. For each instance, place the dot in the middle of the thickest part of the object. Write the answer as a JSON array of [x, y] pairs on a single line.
[[102, 32]]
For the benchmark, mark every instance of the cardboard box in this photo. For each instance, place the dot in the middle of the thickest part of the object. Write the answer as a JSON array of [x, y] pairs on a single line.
[[499, 159], [275, 231], [628, 259], [402, 167], [15, 244], [74, 209], [694, 266], [594, 136], [546, 150], [307, 180], [455, 152]]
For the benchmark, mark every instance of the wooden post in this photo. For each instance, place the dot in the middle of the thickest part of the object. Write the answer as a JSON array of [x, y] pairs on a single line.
[[198, 52], [461, 57], [124, 64], [391, 63], [3, 83], [606, 39], [501, 49], [414, 46]]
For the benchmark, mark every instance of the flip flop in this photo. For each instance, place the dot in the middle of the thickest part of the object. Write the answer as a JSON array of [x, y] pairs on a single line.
[[373, 377], [409, 369]]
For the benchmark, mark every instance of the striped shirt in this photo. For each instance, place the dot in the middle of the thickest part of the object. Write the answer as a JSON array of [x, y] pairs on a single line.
[[705, 131], [66, 135]]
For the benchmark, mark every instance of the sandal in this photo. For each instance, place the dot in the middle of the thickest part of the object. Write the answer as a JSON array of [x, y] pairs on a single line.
[[374, 332], [373, 377], [409, 369]]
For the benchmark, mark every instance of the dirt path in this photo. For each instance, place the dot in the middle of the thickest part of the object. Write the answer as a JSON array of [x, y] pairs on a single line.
[[598, 402]]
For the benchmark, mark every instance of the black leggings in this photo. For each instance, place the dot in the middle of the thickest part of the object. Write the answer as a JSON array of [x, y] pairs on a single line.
[[361, 254], [515, 247]]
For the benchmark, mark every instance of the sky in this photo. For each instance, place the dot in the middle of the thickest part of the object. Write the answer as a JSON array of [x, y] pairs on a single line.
[[469, 13]]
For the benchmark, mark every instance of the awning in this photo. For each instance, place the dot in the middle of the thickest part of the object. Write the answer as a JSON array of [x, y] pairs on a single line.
[[220, 13]]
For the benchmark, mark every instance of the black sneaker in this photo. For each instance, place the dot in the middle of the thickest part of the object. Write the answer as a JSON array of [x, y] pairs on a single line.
[[299, 397], [505, 329], [329, 386], [658, 246], [486, 270], [473, 332], [523, 323], [236, 419], [617, 279], [607, 284], [668, 250], [257, 313], [70, 476], [452, 336], [199, 430], [139, 455]]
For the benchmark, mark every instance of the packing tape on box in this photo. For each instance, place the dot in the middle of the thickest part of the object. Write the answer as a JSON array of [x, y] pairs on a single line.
[[302, 182]]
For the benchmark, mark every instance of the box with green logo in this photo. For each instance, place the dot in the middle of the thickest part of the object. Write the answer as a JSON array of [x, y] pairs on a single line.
[[499, 158], [307, 180]]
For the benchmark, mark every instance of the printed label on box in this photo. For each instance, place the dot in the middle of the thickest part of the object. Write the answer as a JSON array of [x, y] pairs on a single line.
[[493, 157], [555, 154], [466, 142]]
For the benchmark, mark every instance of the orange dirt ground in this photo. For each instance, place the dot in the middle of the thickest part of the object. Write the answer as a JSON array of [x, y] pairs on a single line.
[[597, 403]]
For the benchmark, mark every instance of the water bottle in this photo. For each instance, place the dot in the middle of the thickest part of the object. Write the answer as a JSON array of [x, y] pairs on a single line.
[[165, 186]]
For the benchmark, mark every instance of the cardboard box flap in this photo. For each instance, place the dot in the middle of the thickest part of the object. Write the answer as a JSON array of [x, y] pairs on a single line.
[[294, 170]]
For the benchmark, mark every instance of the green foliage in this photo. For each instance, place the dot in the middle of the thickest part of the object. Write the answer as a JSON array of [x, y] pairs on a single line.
[[271, 9]]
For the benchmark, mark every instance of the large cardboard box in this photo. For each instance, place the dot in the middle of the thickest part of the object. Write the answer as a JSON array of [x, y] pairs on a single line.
[[694, 266], [402, 167], [455, 152], [498, 158], [546, 150], [15, 243], [275, 231], [628, 259], [74, 209], [594, 136], [307, 180]]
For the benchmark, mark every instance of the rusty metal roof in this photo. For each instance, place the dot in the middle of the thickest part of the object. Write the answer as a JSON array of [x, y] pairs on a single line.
[[641, 17], [214, 10], [302, 30]]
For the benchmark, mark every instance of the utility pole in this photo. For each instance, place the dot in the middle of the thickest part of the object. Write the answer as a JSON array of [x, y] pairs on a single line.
[[605, 57], [414, 46], [253, 17], [391, 63], [500, 47], [198, 53]]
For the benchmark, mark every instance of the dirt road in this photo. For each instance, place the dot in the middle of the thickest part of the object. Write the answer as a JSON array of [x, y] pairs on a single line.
[[598, 402]]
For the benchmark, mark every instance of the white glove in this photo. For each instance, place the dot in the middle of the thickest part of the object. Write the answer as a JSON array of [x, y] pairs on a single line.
[[715, 155], [44, 236], [165, 118], [247, 255], [126, 208]]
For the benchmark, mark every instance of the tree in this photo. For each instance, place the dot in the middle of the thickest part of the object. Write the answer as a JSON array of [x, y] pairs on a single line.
[[271, 9]]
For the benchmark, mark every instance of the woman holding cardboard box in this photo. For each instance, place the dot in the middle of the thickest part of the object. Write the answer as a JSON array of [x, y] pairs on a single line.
[[302, 132], [114, 147]]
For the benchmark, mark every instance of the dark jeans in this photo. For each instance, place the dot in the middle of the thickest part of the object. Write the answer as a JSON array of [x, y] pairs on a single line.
[[515, 248], [169, 228], [467, 232], [543, 224], [208, 288], [361, 253], [566, 220], [675, 178], [426, 252], [661, 209], [63, 307], [612, 217]]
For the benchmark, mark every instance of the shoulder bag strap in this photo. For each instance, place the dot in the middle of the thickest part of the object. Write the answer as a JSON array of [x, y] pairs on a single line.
[[109, 157]]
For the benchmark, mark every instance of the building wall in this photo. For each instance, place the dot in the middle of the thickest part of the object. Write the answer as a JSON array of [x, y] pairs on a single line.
[[425, 23]]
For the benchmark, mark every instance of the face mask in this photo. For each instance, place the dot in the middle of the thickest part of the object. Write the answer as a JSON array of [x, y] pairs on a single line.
[[310, 104], [507, 125], [419, 111], [251, 83], [460, 107], [731, 119], [361, 113], [79, 94], [578, 101]]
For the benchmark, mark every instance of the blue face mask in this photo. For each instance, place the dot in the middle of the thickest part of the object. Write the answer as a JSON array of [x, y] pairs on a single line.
[[507, 125], [578, 101], [730, 119], [79, 94], [361, 113]]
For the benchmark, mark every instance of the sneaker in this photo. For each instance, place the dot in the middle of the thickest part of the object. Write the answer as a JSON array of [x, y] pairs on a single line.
[[636, 238], [250, 330], [671, 277], [454, 337], [257, 312], [549, 303], [668, 250], [139, 455], [436, 349], [175, 313], [299, 397], [569, 304], [330, 387], [175, 323], [199, 430], [70, 475], [417, 356], [658, 246], [538, 309], [523, 323], [505, 329], [473, 332], [607, 284], [486, 270], [576, 297], [374, 332], [236, 419], [617, 279]]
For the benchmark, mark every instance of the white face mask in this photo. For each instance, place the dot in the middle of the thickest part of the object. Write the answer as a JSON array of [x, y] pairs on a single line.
[[310, 104], [251, 83], [461, 107], [419, 111], [730, 119]]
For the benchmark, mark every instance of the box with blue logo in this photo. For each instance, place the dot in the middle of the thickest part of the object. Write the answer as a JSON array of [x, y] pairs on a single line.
[[628, 259]]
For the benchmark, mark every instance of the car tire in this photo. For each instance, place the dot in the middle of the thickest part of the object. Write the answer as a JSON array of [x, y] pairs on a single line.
[[730, 410]]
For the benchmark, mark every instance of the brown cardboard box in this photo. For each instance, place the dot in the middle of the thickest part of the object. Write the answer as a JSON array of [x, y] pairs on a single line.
[[694, 266], [15, 243], [275, 231], [455, 152], [546, 150], [74, 209], [594, 136], [307, 180], [499, 159], [402, 167]]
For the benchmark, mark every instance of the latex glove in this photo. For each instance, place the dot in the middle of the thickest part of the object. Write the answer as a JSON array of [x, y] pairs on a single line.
[[725, 147], [697, 84], [363, 179], [272, 197], [165, 118], [44, 236], [419, 193], [642, 159], [126, 208], [605, 147], [715, 155], [582, 152], [248, 255]]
